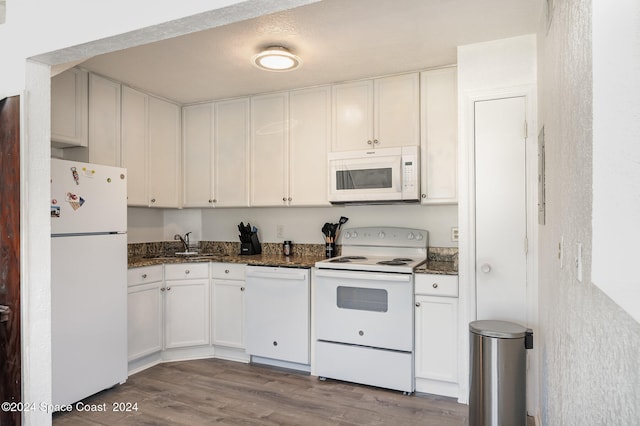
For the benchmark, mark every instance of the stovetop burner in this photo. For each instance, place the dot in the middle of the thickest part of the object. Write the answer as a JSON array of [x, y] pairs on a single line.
[[394, 262], [403, 259], [346, 259]]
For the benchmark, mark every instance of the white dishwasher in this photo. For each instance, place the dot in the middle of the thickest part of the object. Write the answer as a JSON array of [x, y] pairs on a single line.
[[277, 308]]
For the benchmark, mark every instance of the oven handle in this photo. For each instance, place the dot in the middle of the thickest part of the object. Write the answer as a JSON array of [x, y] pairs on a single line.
[[369, 276]]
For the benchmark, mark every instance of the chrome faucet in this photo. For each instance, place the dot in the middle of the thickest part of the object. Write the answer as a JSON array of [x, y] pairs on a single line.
[[185, 240]]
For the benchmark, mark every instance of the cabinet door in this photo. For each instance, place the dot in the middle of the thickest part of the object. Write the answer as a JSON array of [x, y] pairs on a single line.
[[186, 313], [227, 313], [439, 136], [310, 133], [397, 111], [164, 153], [134, 145], [69, 108], [144, 319], [352, 116], [269, 140], [197, 155], [231, 142], [436, 354], [104, 121]]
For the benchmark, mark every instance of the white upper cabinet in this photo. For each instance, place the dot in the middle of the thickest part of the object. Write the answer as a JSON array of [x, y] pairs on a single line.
[[151, 149], [134, 145], [164, 153], [290, 139], [197, 155], [379, 113], [269, 156], [231, 153], [309, 138], [216, 154], [104, 121], [69, 108], [439, 136]]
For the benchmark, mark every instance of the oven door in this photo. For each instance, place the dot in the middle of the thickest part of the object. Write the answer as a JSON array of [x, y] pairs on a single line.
[[365, 308], [365, 179]]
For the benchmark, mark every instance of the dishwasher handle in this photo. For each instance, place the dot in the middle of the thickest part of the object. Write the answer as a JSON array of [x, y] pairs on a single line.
[[295, 276]]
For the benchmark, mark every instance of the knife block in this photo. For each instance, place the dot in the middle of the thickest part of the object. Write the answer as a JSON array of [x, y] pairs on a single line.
[[251, 247]]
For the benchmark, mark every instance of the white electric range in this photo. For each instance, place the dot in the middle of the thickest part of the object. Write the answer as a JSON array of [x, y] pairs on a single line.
[[364, 307]]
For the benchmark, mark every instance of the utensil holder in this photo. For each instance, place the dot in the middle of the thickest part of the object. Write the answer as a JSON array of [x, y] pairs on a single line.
[[330, 250]]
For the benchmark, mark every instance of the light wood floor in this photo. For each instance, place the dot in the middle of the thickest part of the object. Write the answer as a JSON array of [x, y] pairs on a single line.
[[214, 391]]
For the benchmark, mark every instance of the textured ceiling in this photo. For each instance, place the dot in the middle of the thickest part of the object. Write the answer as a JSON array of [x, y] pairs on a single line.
[[338, 40]]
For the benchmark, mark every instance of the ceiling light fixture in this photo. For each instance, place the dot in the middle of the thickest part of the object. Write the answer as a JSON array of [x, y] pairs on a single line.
[[276, 58]]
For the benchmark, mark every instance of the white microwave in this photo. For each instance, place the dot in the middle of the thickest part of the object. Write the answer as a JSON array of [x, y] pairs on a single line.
[[384, 175]]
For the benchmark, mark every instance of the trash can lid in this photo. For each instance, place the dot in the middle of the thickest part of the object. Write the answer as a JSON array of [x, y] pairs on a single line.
[[499, 329]]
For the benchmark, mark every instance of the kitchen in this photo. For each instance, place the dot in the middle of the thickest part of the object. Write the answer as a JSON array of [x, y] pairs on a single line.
[[172, 220]]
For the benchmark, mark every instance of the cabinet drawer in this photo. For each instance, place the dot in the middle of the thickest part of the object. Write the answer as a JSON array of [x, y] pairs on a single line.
[[437, 285], [184, 271], [228, 271], [145, 274]]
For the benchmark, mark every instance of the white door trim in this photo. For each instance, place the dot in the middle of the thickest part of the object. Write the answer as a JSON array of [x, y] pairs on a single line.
[[466, 224]]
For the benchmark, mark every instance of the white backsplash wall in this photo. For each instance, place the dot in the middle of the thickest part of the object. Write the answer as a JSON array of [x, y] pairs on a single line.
[[303, 225], [145, 225], [300, 225]]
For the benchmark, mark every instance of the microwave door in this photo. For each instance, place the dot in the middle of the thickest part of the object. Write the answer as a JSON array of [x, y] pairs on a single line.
[[368, 179]]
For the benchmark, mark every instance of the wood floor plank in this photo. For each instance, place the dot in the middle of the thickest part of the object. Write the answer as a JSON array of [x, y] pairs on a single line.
[[213, 391]]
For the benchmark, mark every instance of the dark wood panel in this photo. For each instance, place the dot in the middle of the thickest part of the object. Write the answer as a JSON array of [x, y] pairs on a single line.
[[215, 391], [10, 359]]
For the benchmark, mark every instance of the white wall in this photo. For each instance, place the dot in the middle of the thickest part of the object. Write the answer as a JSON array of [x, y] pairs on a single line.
[[589, 345], [300, 225], [616, 152]]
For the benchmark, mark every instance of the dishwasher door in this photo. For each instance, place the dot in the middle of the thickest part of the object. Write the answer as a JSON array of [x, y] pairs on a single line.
[[277, 312]]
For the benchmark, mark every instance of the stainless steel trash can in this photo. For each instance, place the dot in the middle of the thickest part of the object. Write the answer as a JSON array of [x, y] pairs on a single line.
[[498, 362]]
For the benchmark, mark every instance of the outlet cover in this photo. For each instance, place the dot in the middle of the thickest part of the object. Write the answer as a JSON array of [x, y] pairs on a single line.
[[454, 234], [279, 231]]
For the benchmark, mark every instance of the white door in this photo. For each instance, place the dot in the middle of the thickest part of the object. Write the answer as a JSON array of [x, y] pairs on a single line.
[[501, 218]]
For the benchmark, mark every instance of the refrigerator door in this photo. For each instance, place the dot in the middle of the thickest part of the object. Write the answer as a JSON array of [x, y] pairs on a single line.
[[88, 315], [87, 198]]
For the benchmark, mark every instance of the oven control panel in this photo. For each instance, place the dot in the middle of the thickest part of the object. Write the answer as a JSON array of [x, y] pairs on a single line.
[[385, 237]]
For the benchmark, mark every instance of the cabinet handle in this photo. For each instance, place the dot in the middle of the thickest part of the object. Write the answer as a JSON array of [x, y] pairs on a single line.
[[168, 288], [187, 272], [153, 200], [284, 199], [289, 198], [435, 285], [417, 304], [424, 195], [144, 276], [486, 268], [226, 271], [370, 142], [376, 141], [275, 343], [241, 288], [162, 289], [210, 201]]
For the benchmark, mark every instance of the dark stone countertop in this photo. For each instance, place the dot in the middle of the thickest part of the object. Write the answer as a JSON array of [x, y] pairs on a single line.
[[431, 267], [438, 267], [253, 260]]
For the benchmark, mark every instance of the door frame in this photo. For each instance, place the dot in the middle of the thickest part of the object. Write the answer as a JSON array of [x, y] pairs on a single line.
[[467, 220]]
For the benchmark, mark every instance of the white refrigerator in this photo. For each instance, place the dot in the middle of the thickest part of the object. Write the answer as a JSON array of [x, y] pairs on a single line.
[[88, 279]]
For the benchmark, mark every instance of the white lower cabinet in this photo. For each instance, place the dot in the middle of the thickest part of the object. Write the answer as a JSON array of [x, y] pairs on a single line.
[[227, 305], [144, 311], [436, 334], [186, 305]]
